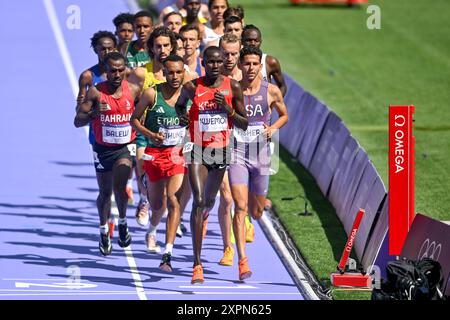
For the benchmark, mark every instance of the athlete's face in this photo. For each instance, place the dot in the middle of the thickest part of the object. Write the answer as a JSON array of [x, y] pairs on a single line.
[[115, 72], [180, 48], [213, 63], [217, 9], [191, 42], [161, 48], [143, 26], [250, 66], [174, 23], [103, 47], [125, 32], [234, 28], [174, 72], [251, 38], [230, 54], [192, 7]]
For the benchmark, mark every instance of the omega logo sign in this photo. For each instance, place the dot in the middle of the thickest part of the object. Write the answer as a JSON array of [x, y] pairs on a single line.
[[430, 250]]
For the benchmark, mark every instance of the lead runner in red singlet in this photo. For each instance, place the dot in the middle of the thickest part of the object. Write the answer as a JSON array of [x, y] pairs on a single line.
[[217, 106], [109, 106]]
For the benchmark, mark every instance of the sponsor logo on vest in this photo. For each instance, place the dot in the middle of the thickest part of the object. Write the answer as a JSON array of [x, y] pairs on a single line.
[[160, 110]]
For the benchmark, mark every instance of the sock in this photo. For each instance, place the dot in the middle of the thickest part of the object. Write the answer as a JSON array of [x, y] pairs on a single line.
[[143, 197], [152, 229], [122, 221], [130, 183], [104, 229], [169, 248]]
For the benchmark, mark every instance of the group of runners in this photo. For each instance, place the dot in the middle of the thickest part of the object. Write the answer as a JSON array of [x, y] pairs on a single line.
[[188, 104]]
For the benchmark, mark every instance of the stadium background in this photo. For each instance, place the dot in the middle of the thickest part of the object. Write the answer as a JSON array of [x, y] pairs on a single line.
[[358, 73]]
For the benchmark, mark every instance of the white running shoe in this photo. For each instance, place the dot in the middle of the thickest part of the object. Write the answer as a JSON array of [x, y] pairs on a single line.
[[152, 246], [179, 232], [142, 215]]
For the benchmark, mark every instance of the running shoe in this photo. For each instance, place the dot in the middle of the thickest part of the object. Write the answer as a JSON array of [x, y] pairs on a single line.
[[142, 215], [183, 228], [197, 276], [205, 223], [227, 259], [152, 246], [111, 226], [124, 236], [129, 190], [244, 270], [249, 232], [179, 232], [165, 263], [105, 245]]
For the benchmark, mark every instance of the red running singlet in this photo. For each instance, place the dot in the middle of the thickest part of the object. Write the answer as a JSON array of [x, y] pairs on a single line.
[[210, 125], [112, 128]]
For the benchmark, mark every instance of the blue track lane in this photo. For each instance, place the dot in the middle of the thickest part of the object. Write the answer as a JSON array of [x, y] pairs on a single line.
[[49, 230]]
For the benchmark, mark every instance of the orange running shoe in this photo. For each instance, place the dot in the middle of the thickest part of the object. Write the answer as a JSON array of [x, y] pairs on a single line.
[[205, 227], [249, 232], [129, 190], [197, 276], [111, 226], [227, 259], [244, 270]]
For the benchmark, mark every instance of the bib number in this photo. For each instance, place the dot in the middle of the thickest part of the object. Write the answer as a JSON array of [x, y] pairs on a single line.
[[213, 122], [188, 147], [116, 134], [172, 135], [250, 135], [132, 149]]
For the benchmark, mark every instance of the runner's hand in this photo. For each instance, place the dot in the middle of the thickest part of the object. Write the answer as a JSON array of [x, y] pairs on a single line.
[[103, 106], [157, 138], [268, 131], [184, 120], [219, 98]]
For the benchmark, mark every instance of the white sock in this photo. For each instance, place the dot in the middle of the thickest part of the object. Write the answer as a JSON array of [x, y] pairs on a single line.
[[104, 229], [122, 221], [130, 183], [152, 229], [169, 248]]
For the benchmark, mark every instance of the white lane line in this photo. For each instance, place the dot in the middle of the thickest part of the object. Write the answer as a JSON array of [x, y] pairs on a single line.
[[158, 293], [217, 287], [51, 13]]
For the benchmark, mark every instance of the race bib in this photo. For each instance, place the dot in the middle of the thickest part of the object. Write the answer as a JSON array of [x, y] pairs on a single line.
[[252, 133], [132, 149], [213, 122], [172, 135], [188, 147], [117, 133]]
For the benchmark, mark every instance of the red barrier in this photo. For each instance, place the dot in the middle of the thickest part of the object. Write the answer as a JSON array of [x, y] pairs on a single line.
[[350, 240], [401, 176]]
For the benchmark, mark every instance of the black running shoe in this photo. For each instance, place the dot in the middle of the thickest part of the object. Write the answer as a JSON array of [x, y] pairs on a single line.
[[165, 263], [183, 228], [105, 245], [124, 236]]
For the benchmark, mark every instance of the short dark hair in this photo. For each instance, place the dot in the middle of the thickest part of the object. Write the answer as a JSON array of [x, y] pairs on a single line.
[[178, 36], [161, 32], [115, 55], [232, 19], [248, 51], [249, 27], [173, 58], [211, 48], [125, 17], [211, 2], [190, 27], [102, 34], [173, 13], [143, 13], [234, 11]]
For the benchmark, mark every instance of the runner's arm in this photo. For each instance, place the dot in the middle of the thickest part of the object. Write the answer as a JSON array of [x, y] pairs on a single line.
[[147, 99], [239, 115], [84, 82], [276, 101], [86, 110], [187, 93], [274, 71]]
